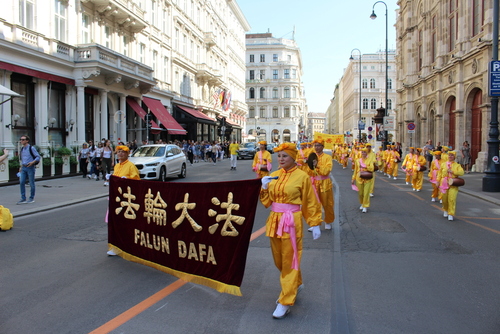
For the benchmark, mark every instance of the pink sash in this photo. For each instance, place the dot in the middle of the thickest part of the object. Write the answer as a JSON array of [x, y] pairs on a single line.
[[444, 186], [256, 169], [434, 173], [287, 224], [319, 178]]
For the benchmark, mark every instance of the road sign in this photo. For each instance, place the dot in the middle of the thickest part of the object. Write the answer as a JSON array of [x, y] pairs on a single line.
[[411, 127], [361, 125], [494, 78], [389, 123]]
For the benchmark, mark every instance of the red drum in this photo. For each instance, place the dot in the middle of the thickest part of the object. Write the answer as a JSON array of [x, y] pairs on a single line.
[[366, 175], [422, 169], [456, 182]]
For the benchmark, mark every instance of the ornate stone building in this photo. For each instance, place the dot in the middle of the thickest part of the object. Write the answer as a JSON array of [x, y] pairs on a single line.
[[443, 50]]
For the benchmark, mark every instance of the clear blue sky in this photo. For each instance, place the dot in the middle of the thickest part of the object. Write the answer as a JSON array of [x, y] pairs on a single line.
[[326, 32]]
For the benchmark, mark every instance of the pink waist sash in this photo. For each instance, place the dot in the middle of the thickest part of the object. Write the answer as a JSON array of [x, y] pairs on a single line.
[[287, 224]]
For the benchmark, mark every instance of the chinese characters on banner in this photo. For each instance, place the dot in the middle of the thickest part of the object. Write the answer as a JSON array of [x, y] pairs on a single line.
[[330, 140], [198, 232]]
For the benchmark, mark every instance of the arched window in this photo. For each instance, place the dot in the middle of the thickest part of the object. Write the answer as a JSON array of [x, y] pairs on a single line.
[[263, 112], [275, 93], [262, 93], [389, 104], [286, 92], [365, 103], [252, 93], [364, 84], [373, 104], [389, 83], [275, 112], [294, 92], [372, 83]]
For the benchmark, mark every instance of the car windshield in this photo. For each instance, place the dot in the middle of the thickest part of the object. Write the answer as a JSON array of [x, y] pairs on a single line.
[[150, 151], [249, 145]]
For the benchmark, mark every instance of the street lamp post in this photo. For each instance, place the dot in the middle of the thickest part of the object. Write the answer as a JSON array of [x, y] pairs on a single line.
[[373, 17], [256, 131], [359, 69]]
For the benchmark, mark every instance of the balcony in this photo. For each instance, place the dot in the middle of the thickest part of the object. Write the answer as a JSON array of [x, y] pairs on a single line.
[[210, 39], [204, 73], [126, 13]]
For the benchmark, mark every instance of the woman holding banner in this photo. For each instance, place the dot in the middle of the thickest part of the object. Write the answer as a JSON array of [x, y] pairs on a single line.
[[289, 193]]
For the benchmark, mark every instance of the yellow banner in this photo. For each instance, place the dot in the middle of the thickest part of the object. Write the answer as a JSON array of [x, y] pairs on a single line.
[[330, 140]]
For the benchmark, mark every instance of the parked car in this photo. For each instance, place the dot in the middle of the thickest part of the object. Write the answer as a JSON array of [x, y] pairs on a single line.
[[158, 162], [270, 148], [247, 150]]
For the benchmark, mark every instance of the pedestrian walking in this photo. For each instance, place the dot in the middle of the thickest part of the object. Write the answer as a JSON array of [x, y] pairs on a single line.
[[363, 177], [262, 161], [29, 158], [465, 156], [419, 166], [289, 193], [107, 160], [449, 170], [83, 158], [433, 176], [233, 150]]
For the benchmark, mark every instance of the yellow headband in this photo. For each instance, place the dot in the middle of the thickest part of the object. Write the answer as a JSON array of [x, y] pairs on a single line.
[[288, 148]]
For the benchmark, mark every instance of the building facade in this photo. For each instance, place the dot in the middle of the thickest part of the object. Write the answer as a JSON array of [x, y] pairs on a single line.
[[443, 52], [92, 69], [316, 122], [274, 90]]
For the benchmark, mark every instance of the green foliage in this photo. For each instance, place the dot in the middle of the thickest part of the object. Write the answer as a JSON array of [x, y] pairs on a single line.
[[14, 163], [63, 151], [75, 149], [72, 160], [47, 162], [58, 161]]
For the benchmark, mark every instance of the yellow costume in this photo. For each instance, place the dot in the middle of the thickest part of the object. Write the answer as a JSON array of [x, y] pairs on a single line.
[[450, 195], [364, 185], [392, 159], [262, 160], [433, 175], [291, 187], [323, 185], [408, 165], [417, 175], [302, 156], [233, 148], [126, 169]]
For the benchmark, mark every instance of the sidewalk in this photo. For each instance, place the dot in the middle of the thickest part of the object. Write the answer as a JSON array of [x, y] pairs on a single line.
[[60, 192]]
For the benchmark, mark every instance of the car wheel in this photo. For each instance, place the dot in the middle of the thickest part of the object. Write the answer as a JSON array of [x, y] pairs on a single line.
[[183, 171], [163, 174]]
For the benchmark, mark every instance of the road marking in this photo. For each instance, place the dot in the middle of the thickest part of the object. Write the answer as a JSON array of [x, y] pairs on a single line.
[[150, 301]]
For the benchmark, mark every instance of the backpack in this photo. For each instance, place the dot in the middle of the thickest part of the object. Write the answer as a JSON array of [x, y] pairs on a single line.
[[6, 219], [33, 155]]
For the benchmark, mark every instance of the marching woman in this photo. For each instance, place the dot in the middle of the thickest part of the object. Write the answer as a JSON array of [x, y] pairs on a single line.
[[419, 165], [289, 193], [262, 161], [302, 156], [393, 158], [363, 164], [449, 170], [407, 165], [433, 175]]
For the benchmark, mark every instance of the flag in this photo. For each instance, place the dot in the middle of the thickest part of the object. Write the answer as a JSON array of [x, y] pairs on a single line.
[[227, 100]]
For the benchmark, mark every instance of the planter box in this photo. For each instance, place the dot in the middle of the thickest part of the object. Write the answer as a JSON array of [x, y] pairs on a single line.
[[58, 169], [72, 169], [13, 174], [47, 171]]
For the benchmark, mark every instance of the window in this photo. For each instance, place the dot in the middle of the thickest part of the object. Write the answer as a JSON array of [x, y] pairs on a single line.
[[275, 57], [373, 104], [365, 84], [275, 93], [289, 57], [286, 73], [372, 83], [286, 92], [262, 74], [165, 69], [26, 13], [294, 92], [142, 50], [294, 73], [252, 74], [164, 21], [125, 45], [477, 16], [433, 39], [262, 112], [85, 29], [287, 112], [262, 58], [262, 94], [275, 112], [389, 104], [153, 13], [420, 50], [252, 93], [60, 21], [389, 83], [275, 74], [155, 56], [107, 37], [57, 111], [252, 58], [24, 106], [452, 24], [251, 112]]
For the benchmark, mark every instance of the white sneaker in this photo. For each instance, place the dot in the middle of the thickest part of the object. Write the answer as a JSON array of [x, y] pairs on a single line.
[[433, 199], [361, 207], [445, 214], [395, 178], [388, 175], [95, 176], [89, 176], [111, 253], [364, 210], [106, 183], [310, 229], [450, 217], [281, 311], [407, 183], [418, 189], [414, 189], [441, 201], [371, 195], [328, 226]]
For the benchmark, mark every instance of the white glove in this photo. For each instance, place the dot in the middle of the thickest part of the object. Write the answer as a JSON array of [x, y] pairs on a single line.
[[265, 181], [316, 232], [108, 176]]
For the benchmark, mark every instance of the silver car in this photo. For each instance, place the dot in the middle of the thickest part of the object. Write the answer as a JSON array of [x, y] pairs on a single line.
[[158, 162]]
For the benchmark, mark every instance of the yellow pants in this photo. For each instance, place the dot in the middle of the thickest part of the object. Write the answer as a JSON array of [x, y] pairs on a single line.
[[394, 171], [408, 177], [364, 192], [435, 191], [326, 199], [450, 200], [417, 180], [290, 279], [372, 187]]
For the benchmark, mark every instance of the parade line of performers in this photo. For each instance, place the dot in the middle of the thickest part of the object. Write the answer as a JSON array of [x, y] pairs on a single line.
[[444, 172]]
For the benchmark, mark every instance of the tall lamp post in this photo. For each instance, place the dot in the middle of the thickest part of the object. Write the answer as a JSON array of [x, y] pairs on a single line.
[[373, 17], [256, 131], [359, 70]]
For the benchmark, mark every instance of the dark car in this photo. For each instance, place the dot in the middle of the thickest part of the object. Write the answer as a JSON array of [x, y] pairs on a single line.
[[270, 148], [247, 151]]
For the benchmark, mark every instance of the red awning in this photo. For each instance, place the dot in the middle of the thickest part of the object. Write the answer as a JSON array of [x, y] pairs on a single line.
[[233, 123], [36, 74], [137, 108], [164, 116], [196, 113]]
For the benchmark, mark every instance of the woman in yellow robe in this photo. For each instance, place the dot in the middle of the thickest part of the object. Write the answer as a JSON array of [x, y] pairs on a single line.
[[364, 163], [449, 169], [407, 165], [433, 175], [262, 161], [289, 193], [419, 162]]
